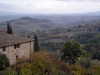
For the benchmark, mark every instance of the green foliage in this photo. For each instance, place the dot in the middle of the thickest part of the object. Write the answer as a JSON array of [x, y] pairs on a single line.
[[83, 38], [90, 41], [77, 70], [96, 55], [9, 29], [8, 71], [43, 64], [85, 62], [51, 46], [2, 73], [93, 44], [71, 51], [4, 62], [28, 36], [36, 44]]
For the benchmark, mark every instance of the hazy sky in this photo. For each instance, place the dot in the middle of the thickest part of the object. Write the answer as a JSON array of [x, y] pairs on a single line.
[[50, 6]]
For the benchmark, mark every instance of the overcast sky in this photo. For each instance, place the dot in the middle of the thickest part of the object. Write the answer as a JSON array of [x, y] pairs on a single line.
[[50, 6]]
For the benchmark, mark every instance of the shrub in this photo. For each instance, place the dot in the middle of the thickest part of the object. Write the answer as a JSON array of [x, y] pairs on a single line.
[[4, 62], [85, 63], [96, 55]]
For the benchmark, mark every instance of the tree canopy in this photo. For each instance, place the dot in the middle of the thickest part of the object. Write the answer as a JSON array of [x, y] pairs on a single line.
[[4, 61], [36, 44], [96, 55], [71, 51], [9, 29]]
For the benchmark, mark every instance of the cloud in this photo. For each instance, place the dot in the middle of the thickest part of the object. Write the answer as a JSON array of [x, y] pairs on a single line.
[[51, 6], [29, 4], [69, 0], [79, 0], [11, 8], [7, 7], [96, 0]]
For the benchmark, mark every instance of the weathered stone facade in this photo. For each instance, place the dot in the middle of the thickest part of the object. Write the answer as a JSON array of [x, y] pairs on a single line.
[[18, 49], [23, 51]]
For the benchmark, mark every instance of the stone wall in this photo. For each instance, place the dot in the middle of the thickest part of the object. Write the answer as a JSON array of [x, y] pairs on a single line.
[[23, 51]]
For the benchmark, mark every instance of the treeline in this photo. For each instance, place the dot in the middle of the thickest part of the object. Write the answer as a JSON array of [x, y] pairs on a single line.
[[72, 60], [66, 33], [91, 43], [51, 46]]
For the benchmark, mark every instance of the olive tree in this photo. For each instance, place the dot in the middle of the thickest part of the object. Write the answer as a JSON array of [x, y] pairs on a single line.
[[71, 51]]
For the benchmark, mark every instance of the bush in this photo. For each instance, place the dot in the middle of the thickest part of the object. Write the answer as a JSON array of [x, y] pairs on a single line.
[[4, 62], [2, 73], [85, 63], [96, 56], [71, 51]]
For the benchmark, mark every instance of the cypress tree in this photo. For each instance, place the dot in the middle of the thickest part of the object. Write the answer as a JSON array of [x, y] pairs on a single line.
[[9, 29], [36, 44], [28, 36]]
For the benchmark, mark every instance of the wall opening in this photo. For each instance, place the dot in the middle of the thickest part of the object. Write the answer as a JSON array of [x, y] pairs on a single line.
[[3, 49], [16, 56], [16, 46]]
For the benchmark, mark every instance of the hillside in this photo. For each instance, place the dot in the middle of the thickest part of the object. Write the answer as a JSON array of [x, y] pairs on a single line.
[[62, 34], [52, 33], [34, 23], [87, 35], [27, 24]]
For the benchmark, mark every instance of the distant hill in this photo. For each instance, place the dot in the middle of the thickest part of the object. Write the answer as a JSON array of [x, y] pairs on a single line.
[[7, 16], [27, 24], [94, 13], [5, 13]]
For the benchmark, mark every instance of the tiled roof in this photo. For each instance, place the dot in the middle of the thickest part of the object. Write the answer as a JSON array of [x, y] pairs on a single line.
[[8, 39]]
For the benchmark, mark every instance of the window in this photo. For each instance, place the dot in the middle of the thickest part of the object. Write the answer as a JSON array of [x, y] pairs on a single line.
[[16, 46], [4, 49], [17, 57]]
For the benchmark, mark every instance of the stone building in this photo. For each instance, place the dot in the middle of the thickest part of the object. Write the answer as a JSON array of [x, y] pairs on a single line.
[[15, 46]]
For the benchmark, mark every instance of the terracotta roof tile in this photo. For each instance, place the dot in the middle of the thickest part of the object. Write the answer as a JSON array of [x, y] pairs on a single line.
[[8, 39]]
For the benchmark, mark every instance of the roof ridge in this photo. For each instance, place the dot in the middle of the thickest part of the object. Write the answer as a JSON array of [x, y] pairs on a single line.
[[10, 39]]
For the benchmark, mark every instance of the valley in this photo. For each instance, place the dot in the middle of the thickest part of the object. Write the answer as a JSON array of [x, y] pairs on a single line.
[[55, 29], [49, 37], [24, 25]]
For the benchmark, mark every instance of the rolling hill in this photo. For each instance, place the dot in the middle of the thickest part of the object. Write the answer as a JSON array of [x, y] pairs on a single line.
[[41, 22]]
